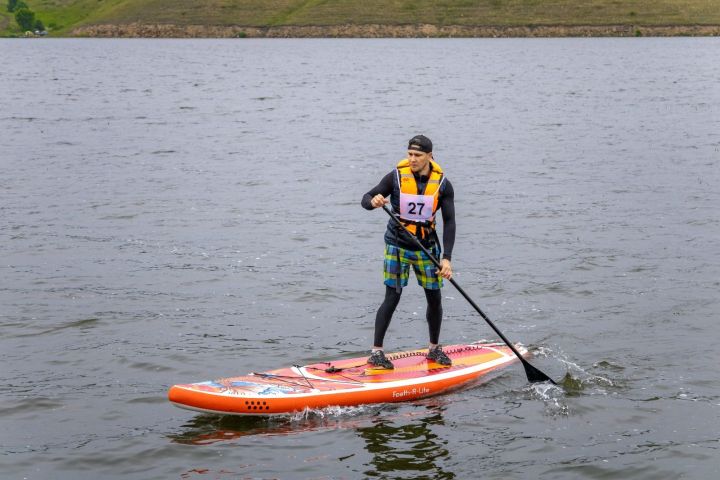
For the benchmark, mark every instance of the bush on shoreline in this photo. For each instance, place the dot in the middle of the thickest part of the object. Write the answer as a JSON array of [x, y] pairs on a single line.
[[24, 16], [13, 5]]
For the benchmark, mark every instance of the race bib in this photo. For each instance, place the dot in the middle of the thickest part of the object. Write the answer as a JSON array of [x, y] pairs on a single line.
[[418, 208]]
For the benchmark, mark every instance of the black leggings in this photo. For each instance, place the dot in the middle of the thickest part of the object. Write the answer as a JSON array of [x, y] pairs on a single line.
[[392, 298]]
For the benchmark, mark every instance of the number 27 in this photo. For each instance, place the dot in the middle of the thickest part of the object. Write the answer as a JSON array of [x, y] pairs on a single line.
[[413, 206]]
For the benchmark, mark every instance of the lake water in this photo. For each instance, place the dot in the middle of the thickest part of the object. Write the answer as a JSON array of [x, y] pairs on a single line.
[[181, 210]]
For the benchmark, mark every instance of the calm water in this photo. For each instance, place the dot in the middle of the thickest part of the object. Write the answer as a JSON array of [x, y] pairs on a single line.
[[177, 211]]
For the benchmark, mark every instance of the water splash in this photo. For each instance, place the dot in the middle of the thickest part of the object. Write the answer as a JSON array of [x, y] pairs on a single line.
[[331, 412], [553, 396], [577, 381], [585, 380]]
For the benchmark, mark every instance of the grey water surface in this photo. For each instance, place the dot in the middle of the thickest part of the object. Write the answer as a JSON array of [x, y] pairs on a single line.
[[182, 210]]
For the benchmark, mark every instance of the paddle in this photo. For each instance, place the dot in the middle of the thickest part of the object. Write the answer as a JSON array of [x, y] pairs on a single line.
[[533, 374]]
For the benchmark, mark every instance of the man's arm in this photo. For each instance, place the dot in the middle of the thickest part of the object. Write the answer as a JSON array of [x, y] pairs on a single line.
[[383, 188], [447, 204]]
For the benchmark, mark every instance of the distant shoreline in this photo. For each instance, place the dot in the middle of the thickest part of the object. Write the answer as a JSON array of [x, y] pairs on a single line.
[[137, 30]]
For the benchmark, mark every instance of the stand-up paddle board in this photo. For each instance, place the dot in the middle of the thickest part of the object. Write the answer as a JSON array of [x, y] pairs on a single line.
[[347, 382]]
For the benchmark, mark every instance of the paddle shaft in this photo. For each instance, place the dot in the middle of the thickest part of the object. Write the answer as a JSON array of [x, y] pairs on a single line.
[[533, 374]]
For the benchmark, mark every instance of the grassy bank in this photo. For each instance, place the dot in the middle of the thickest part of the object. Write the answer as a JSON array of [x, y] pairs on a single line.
[[63, 16]]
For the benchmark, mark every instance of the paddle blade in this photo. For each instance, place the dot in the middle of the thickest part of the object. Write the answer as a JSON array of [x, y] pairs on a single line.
[[534, 375]]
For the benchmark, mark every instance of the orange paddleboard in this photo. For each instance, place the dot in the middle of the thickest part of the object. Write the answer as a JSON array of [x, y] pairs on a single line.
[[347, 382]]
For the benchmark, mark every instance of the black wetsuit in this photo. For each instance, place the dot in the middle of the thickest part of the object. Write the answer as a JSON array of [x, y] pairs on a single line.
[[393, 236]]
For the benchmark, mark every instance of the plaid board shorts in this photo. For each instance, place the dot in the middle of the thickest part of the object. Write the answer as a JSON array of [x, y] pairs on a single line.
[[425, 270]]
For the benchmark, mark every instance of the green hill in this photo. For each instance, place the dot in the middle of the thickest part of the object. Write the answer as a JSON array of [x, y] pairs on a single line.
[[62, 17]]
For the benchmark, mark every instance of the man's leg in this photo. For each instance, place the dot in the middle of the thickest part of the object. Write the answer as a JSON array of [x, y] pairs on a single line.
[[394, 272], [434, 314], [384, 315], [430, 280]]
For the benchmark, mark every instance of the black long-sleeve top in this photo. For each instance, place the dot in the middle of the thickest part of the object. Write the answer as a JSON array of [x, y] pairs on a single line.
[[446, 203]]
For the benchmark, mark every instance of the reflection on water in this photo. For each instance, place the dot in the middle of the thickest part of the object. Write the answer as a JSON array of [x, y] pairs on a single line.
[[410, 448], [402, 443], [209, 429]]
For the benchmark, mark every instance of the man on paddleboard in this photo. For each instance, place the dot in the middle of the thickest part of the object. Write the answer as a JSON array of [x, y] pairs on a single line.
[[417, 189]]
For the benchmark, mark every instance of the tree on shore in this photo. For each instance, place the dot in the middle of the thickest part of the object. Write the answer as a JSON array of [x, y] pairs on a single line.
[[25, 18], [13, 5]]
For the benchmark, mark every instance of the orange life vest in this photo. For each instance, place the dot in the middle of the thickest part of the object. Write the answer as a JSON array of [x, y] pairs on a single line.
[[417, 209]]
